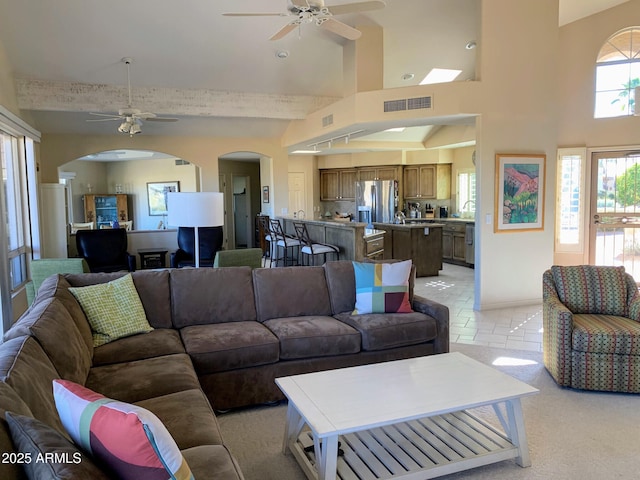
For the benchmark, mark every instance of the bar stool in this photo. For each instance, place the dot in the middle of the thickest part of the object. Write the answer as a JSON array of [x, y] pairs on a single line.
[[286, 242], [312, 249]]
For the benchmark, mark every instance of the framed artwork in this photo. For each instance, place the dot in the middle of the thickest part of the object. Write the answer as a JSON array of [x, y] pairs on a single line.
[[265, 194], [157, 196], [519, 192]]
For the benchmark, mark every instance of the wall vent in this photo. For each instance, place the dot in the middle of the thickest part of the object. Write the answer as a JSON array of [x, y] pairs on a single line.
[[179, 161], [419, 102], [328, 120], [395, 105]]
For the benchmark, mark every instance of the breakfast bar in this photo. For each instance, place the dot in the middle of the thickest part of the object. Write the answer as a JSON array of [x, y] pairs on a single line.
[[355, 240]]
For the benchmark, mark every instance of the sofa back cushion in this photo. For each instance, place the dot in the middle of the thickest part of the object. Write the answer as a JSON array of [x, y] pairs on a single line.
[[341, 282], [25, 367], [51, 324], [193, 291], [58, 287], [290, 292], [592, 289], [152, 286]]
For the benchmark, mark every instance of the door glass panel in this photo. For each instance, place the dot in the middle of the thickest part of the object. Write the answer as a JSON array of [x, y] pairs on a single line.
[[615, 226]]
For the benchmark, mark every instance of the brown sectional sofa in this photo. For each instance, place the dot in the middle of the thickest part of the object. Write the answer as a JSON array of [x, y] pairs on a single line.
[[221, 336]]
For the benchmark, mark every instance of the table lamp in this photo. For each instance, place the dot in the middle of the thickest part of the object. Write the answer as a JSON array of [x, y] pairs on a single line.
[[195, 209]]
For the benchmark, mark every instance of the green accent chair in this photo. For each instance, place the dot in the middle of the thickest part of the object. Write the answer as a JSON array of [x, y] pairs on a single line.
[[45, 267], [251, 257]]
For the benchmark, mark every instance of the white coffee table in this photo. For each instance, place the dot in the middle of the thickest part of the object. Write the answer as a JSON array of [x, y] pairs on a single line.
[[403, 419]]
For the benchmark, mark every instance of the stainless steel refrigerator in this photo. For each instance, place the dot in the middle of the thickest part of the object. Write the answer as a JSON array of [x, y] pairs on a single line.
[[375, 201]]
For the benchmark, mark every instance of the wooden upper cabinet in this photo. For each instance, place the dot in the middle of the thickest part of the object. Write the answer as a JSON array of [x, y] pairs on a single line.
[[427, 181], [105, 209], [378, 173], [337, 184], [348, 180]]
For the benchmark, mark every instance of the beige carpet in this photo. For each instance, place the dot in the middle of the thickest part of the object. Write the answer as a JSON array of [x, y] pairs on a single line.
[[572, 434]]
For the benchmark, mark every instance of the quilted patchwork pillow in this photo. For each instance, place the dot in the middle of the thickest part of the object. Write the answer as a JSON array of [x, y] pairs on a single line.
[[382, 287], [114, 309], [128, 439], [592, 289]]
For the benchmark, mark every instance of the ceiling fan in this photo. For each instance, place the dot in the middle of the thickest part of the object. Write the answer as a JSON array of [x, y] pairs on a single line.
[[131, 117], [315, 11]]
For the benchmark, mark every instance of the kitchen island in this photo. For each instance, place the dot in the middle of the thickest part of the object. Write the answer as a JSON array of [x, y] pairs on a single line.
[[420, 242], [354, 239]]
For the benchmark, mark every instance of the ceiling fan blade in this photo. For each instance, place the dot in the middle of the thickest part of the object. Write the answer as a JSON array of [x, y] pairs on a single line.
[[288, 28], [340, 28], [255, 14], [112, 115], [356, 7], [103, 119], [160, 119]]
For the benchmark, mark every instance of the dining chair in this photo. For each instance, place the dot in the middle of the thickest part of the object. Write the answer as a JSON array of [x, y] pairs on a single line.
[[310, 249], [81, 226], [286, 242]]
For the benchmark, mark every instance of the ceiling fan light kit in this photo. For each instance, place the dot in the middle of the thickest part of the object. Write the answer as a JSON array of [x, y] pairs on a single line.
[[315, 11]]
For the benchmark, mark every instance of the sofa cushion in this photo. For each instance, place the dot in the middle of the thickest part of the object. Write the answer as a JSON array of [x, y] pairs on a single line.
[[158, 342], [10, 402], [25, 367], [153, 289], [113, 309], [189, 427], [130, 440], [592, 289], [290, 292], [51, 324], [39, 441], [57, 286], [143, 379], [212, 461], [380, 331], [382, 287], [190, 287], [605, 334], [227, 346], [313, 336]]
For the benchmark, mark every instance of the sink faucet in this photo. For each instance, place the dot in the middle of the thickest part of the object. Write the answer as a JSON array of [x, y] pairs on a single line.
[[467, 203], [300, 214]]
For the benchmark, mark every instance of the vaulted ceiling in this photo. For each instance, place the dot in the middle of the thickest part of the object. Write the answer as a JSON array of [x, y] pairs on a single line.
[[219, 75]]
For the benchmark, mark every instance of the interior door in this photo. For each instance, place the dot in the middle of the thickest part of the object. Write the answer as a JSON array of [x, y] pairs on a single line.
[[615, 210], [297, 194]]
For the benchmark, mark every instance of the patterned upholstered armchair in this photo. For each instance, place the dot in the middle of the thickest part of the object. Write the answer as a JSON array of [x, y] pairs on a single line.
[[591, 319]]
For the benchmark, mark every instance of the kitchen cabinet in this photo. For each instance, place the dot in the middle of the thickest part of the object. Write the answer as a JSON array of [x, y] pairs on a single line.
[[104, 209], [374, 246], [378, 173], [455, 239], [427, 181], [338, 184]]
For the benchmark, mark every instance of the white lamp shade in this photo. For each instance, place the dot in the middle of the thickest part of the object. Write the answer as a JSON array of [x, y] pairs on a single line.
[[195, 209]]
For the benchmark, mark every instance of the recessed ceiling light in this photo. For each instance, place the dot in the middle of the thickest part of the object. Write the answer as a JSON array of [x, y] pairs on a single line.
[[407, 76], [440, 75], [282, 54], [470, 45]]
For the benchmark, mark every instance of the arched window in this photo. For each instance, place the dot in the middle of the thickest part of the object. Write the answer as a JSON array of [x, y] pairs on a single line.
[[617, 74]]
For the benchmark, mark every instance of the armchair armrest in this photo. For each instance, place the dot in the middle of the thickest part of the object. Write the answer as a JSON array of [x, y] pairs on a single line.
[[557, 324], [441, 314], [178, 256], [131, 262]]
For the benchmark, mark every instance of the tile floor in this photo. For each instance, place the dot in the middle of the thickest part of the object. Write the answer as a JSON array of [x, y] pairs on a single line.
[[517, 328]]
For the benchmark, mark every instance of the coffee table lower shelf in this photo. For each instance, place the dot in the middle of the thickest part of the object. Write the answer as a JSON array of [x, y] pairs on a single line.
[[419, 449]]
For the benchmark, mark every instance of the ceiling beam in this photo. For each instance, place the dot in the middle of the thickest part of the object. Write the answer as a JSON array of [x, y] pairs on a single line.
[[82, 97]]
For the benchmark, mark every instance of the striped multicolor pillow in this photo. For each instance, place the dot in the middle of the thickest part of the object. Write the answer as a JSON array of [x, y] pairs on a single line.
[[382, 287], [128, 439]]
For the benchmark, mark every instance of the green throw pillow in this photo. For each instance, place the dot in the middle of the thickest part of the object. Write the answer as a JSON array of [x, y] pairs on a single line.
[[114, 309]]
